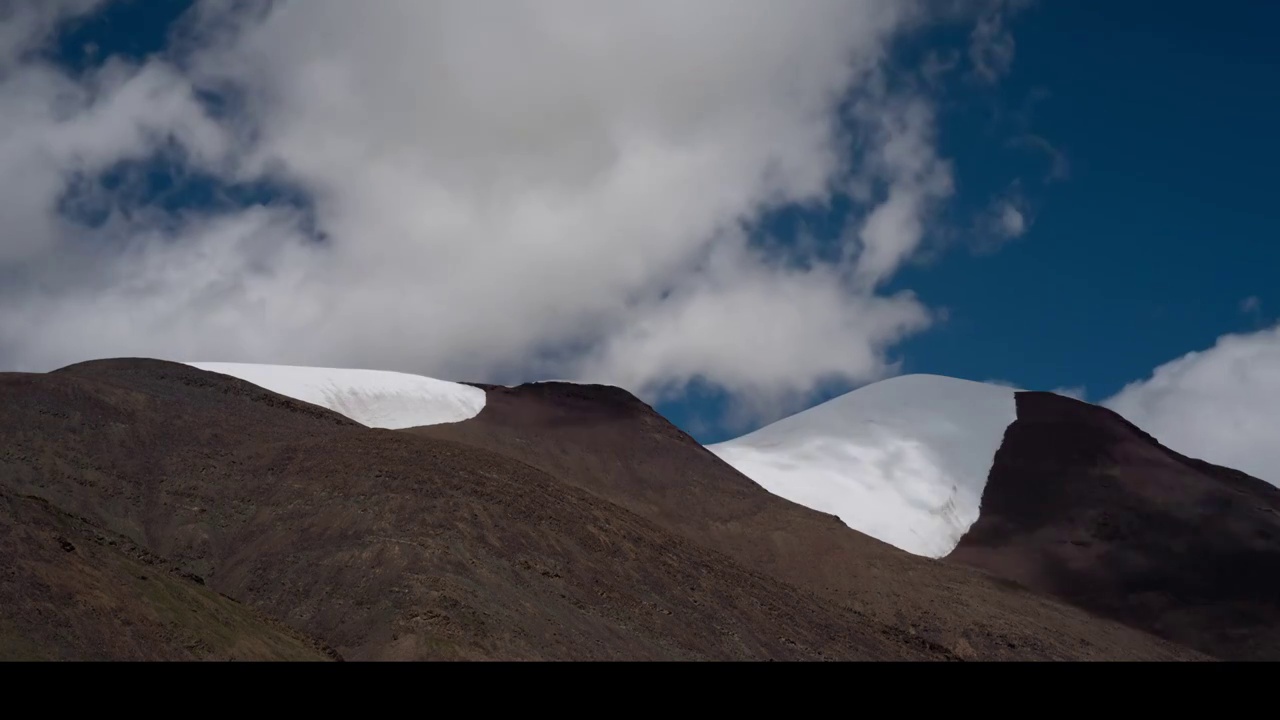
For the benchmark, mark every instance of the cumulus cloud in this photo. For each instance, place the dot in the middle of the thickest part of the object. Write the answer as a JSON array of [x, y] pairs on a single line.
[[1217, 404], [25, 24], [1011, 221], [799, 326], [1007, 218], [904, 161], [556, 188]]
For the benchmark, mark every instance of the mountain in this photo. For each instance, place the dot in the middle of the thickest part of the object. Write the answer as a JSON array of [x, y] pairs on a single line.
[[904, 460], [1060, 496], [608, 443], [558, 522], [1084, 506]]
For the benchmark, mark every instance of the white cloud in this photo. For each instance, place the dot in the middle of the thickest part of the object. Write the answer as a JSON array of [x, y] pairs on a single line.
[[54, 128], [1076, 392], [904, 159], [1012, 223], [799, 327], [551, 187], [25, 24], [1007, 218], [1217, 404]]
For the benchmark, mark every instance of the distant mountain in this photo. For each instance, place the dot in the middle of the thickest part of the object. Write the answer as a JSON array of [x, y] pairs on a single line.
[[1061, 496], [904, 460], [155, 509]]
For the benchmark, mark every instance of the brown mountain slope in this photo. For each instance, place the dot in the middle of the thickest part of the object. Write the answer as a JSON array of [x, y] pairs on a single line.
[[71, 592], [382, 544], [1084, 506], [608, 443]]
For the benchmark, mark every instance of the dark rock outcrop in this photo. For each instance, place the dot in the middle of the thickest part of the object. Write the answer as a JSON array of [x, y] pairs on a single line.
[[1084, 506]]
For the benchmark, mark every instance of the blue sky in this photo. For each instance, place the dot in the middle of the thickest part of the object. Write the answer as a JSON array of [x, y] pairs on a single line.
[[1167, 221], [1157, 228], [1135, 140]]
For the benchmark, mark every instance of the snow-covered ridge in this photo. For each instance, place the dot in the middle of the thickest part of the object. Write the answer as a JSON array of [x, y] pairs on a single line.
[[904, 460], [374, 398]]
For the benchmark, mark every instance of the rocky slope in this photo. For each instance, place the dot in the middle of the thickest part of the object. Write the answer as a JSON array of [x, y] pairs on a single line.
[[559, 523], [1084, 506]]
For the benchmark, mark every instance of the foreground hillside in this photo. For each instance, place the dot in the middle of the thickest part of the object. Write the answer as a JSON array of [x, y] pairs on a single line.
[[1084, 506], [387, 544], [71, 591]]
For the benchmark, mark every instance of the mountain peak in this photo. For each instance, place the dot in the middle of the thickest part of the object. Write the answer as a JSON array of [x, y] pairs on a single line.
[[904, 459]]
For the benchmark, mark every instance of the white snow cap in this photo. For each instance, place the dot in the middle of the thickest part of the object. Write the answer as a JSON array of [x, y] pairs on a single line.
[[904, 460], [374, 398]]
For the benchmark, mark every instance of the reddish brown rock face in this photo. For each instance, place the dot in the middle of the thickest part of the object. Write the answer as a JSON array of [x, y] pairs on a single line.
[[1084, 506]]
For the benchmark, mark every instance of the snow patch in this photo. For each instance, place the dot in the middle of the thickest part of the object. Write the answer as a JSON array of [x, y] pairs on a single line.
[[904, 460], [374, 398]]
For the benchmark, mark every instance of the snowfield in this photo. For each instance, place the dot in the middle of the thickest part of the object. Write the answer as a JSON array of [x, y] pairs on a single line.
[[904, 460], [374, 398]]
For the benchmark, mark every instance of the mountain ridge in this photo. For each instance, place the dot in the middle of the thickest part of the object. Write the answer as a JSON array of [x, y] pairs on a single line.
[[388, 544], [668, 478]]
